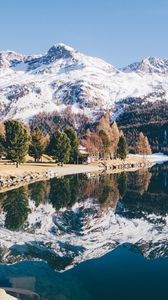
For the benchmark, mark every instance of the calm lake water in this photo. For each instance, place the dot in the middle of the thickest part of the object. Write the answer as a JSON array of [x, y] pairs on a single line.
[[87, 237]]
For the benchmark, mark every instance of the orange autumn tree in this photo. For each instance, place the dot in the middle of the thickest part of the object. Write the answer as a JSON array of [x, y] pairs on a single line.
[[142, 145], [109, 134], [93, 143]]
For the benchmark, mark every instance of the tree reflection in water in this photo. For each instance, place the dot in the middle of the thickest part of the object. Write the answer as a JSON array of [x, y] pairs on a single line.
[[16, 207], [107, 189], [49, 212]]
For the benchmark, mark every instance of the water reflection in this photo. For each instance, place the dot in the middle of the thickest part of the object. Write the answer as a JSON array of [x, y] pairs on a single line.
[[69, 220], [15, 207]]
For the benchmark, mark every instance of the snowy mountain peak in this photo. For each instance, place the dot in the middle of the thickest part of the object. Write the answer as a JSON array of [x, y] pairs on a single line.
[[149, 65], [61, 51], [9, 58], [30, 84]]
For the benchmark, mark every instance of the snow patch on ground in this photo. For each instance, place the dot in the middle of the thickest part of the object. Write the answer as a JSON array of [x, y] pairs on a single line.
[[155, 157]]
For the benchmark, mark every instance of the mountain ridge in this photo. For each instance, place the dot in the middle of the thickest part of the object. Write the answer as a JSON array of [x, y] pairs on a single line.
[[31, 84]]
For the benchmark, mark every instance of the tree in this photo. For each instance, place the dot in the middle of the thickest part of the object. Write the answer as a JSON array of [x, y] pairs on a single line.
[[2, 139], [16, 141], [104, 124], [74, 153], [93, 143], [142, 145], [104, 131], [37, 145], [106, 142], [122, 149], [114, 139], [109, 134], [59, 147]]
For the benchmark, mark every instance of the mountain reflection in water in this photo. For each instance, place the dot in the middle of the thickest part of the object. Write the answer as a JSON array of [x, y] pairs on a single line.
[[69, 220]]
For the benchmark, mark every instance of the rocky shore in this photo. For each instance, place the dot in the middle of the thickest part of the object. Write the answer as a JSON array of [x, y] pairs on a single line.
[[12, 177], [8, 181]]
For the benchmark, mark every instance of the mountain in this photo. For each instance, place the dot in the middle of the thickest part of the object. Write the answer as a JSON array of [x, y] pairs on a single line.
[[149, 65], [63, 77]]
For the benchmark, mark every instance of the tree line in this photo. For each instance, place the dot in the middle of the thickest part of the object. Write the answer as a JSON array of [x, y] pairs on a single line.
[[105, 141]]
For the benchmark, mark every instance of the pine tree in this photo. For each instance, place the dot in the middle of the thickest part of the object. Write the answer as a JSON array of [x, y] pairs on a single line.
[[37, 145], [59, 147], [142, 145], [122, 149], [74, 153], [16, 141]]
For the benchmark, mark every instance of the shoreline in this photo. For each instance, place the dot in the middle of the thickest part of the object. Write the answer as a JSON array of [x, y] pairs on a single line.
[[21, 177], [12, 177]]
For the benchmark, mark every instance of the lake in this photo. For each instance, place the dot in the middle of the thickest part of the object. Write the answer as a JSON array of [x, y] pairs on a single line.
[[87, 237]]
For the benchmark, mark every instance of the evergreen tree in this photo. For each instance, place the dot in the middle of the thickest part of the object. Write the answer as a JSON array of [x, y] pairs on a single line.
[[16, 141], [142, 145], [122, 149], [74, 153], [37, 145], [59, 147]]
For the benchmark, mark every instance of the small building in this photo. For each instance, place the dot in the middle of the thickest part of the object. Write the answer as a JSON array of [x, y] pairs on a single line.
[[85, 156]]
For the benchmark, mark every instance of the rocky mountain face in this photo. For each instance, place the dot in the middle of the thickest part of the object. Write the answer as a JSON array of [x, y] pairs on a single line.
[[149, 65], [64, 78]]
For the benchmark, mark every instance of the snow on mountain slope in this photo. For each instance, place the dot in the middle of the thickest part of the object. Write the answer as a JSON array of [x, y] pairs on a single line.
[[64, 77], [149, 65]]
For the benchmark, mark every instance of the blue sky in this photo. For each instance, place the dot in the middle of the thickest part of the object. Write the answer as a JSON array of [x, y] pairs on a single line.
[[119, 31]]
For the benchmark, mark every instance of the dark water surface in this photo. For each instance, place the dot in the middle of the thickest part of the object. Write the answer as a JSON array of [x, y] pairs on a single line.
[[87, 237]]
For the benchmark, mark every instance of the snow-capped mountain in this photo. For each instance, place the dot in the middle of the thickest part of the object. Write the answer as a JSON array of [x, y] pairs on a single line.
[[149, 65], [64, 77]]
